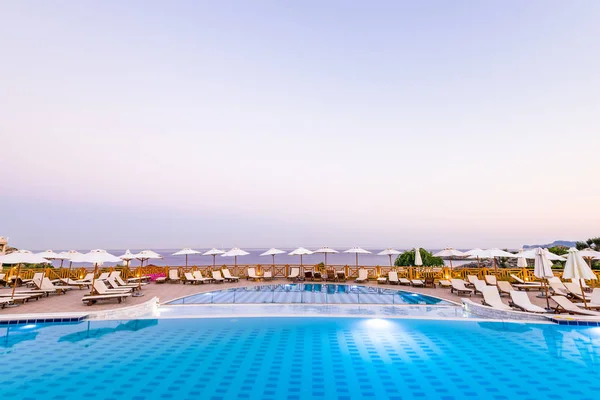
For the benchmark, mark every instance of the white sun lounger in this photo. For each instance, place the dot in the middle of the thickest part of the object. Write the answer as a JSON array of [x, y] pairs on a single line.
[[594, 301], [252, 274], [574, 290], [479, 285], [189, 277], [583, 284], [103, 276], [504, 287], [228, 277], [404, 281], [490, 279], [393, 278], [522, 282], [217, 277], [417, 282], [101, 289], [294, 273], [564, 304], [173, 276], [445, 283], [382, 280], [559, 288], [112, 282], [268, 276], [471, 280], [362, 275], [199, 278], [458, 286], [521, 300], [491, 298], [47, 286]]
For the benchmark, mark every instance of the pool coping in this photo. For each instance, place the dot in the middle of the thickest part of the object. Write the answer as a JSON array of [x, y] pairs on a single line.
[[344, 284]]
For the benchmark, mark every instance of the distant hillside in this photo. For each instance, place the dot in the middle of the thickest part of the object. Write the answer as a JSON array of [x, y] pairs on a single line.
[[566, 243]]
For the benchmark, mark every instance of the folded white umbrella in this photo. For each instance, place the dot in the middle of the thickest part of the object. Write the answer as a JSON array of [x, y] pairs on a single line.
[[418, 259], [235, 253], [300, 251], [96, 257], [326, 250], [357, 251], [272, 252], [577, 268], [542, 269], [449, 252], [214, 253], [389, 252], [186, 252], [521, 261]]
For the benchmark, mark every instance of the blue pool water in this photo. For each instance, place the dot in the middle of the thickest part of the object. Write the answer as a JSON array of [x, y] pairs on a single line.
[[310, 293], [298, 358]]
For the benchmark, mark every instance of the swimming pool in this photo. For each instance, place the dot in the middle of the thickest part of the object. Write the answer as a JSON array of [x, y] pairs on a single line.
[[298, 358], [310, 293]]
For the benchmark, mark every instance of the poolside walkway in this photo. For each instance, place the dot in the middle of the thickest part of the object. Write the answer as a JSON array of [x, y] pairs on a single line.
[[71, 302]]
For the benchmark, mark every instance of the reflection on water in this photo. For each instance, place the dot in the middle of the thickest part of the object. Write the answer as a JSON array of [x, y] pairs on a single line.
[[310, 293], [133, 326]]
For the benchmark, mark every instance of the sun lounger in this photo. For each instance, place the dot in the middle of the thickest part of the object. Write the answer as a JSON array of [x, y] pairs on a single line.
[[490, 279], [22, 296], [491, 298], [308, 275], [382, 280], [341, 276], [362, 276], [559, 288], [504, 287], [479, 285], [317, 276], [417, 282], [521, 300], [522, 282], [199, 278], [121, 282], [93, 299], [71, 282], [217, 277], [113, 284], [268, 276], [3, 281], [583, 284], [103, 276], [47, 286], [594, 300], [445, 283], [189, 278], [565, 305], [458, 286], [294, 274], [393, 278], [471, 280], [574, 291], [228, 277], [173, 276], [99, 288], [404, 281], [252, 274]]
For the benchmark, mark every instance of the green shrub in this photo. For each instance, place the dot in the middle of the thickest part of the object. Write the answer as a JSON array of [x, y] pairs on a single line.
[[407, 259]]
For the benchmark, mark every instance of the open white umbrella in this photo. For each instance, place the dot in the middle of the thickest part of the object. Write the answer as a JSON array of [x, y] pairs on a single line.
[[589, 254], [325, 250], [214, 253], [235, 253], [389, 252], [144, 255], [474, 253], [186, 252], [531, 254], [493, 253], [357, 251], [68, 255], [272, 252], [418, 259], [96, 257], [127, 257], [50, 255], [577, 268], [542, 269], [21, 257], [449, 252], [300, 251]]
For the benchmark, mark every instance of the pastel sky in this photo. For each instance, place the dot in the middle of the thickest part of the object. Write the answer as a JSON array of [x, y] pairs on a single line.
[[153, 124]]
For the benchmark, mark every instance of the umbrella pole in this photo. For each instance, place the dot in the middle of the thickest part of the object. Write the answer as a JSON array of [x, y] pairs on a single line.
[[273, 260], [390, 259], [356, 260], [215, 261], [235, 261], [583, 294], [12, 296], [69, 273], [300, 260], [496, 271], [186, 260], [547, 300], [450, 262]]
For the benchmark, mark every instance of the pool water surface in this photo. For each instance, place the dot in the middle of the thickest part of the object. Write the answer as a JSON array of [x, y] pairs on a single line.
[[298, 358]]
